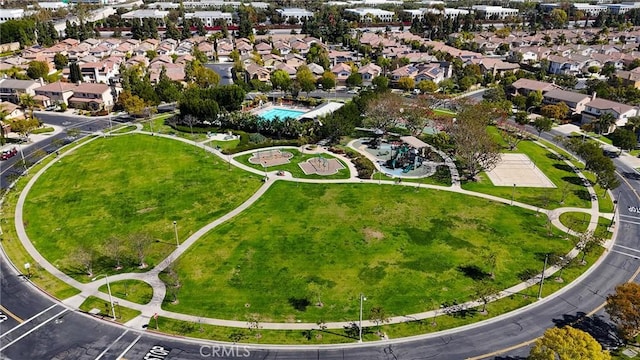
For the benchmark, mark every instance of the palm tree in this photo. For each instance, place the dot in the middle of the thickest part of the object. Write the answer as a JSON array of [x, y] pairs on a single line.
[[605, 121], [28, 102], [633, 123]]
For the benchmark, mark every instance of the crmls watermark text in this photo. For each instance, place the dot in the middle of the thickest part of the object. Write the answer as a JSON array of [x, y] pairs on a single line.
[[214, 351]]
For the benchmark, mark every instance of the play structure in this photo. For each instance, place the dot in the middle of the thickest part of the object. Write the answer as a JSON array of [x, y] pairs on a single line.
[[321, 166], [406, 154], [270, 157]]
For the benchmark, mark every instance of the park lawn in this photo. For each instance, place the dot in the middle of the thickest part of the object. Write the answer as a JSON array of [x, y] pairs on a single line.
[[124, 129], [444, 112], [576, 221], [605, 203], [135, 291], [123, 314], [224, 145], [560, 174], [125, 185], [293, 167], [345, 239], [393, 331]]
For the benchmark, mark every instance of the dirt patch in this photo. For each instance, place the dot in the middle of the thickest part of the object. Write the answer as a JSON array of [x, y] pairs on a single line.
[[372, 234], [146, 210]]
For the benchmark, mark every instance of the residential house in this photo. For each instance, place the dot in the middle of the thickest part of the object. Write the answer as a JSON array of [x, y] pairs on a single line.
[[342, 72], [431, 72], [629, 78], [597, 107], [369, 72], [257, 72], [524, 86], [57, 92], [12, 110], [494, 66], [91, 97], [404, 71], [263, 48], [99, 72], [575, 101], [12, 89], [316, 69], [288, 69]]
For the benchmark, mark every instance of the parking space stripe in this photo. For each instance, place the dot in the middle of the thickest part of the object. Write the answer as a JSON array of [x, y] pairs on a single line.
[[129, 348], [29, 319], [624, 253], [110, 345], [34, 329], [625, 247], [13, 316]]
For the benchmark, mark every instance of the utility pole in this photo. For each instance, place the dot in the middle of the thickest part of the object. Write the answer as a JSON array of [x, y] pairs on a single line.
[[544, 269]]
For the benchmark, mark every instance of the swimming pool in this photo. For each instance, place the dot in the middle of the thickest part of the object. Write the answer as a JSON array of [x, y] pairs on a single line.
[[281, 113]]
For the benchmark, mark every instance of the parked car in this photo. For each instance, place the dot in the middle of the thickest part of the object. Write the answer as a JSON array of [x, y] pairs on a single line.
[[7, 154]]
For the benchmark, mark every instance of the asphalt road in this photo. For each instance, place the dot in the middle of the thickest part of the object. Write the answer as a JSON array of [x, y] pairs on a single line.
[[41, 328]]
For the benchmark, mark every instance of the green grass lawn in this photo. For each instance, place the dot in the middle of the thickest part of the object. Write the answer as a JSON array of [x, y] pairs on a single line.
[[123, 314], [293, 166], [568, 184], [135, 291], [124, 129], [336, 241], [157, 125], [124, 185], [444, 112], [224, 145], [576, 221]]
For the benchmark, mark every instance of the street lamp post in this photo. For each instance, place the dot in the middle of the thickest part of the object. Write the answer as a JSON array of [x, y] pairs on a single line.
[[362, 299], [544, 269], [24, 162], [175, 229], [113, 309], [615, 206], [513, 194]]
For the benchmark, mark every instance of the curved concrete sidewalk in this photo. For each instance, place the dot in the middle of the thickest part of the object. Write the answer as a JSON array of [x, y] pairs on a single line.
[[151, 277]]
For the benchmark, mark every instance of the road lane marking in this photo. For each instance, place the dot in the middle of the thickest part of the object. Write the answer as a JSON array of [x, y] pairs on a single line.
[[629, 222], [13, 316], [624, 253], [110, 345], [625, 247], [34, 329], [29, 319], [129, 348]]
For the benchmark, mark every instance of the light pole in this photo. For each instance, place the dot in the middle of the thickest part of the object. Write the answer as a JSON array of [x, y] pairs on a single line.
[[175, 229], [544, 269], [24, 162], [362, 299], [615, 205], [113, 309], [513, 194]]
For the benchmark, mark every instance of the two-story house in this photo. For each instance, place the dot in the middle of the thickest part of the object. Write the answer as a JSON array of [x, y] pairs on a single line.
[[575, 101], [57, 92], [12, 89], [92, 97], [597, 107]]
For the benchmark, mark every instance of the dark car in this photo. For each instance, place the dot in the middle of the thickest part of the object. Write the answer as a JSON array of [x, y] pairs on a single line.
[[7, 154]]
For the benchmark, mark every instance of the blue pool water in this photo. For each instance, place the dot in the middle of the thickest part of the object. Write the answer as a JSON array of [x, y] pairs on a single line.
[[281, 113]]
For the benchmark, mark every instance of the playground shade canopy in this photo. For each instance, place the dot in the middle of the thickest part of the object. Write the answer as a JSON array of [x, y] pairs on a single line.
[[413, 141]]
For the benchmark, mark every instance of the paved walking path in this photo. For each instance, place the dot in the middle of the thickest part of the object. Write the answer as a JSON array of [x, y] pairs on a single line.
[[159, 289]]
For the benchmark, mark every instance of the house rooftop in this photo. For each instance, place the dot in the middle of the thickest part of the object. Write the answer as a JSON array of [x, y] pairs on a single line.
[[568, 96]]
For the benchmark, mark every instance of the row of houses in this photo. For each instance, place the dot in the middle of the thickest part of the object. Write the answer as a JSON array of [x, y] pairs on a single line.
[[589, 107]]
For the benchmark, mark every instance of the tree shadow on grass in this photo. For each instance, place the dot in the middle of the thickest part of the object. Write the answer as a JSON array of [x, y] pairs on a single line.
[[604, 332], [299, 304], [473, 272], [564, 167], [556, 157], [575, 180]]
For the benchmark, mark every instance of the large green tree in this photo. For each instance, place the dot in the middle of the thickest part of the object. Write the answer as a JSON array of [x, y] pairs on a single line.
[[567, 343], [37, 69], [305, 78], [280, 79], [623, 307]]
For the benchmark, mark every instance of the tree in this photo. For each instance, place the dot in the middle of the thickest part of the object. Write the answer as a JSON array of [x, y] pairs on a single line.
[[485, 290], [25, 126], [37, 69], [567, 343], [534, 98], [354, 80], [132, 104], [327, 80], [542, 124], [378, 315], [605, 122], [85, 258], [406, 83], [587, 242], [558, 18], [75, 75], [521, 118], [172, 282], [60, 60], [140, 242], [305, 78], [380, 83], [624, 139], [280, 79], [475, 148], [427, 86], [623, 307], [558, 111], [114, 246], [494, 94], [382, 112]]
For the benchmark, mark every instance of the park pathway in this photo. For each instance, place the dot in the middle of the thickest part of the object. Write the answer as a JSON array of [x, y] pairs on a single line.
[[159, 289]]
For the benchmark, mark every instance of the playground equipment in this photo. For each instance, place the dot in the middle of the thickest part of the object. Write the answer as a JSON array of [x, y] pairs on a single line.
[[404, 157]]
